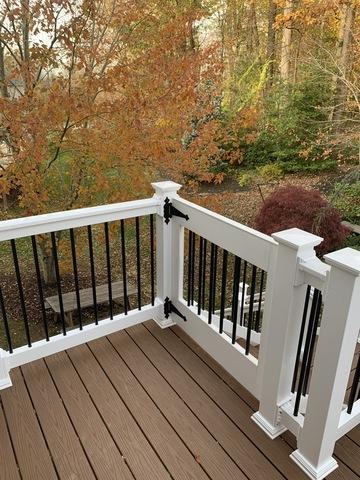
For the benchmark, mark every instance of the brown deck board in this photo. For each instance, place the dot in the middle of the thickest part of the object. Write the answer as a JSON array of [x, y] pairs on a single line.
[[169, 446], [344, 472], [349, 453], [66, 449], [31, 451], [140, 456], [230, 437], [354, 435], [277, 451], [144, 403], [204, 447], [107, 461], [8, 465]]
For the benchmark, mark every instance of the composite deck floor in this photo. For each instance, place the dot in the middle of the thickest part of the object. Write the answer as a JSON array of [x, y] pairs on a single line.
[[147, 404]]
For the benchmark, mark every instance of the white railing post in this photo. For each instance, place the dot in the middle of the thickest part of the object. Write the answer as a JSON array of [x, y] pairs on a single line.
[[5, 380], [285, 295], [169, 252], [332, 364]]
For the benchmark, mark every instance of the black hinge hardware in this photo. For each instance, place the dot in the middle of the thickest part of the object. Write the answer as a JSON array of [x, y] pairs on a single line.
[[170, 308], [170, 211]]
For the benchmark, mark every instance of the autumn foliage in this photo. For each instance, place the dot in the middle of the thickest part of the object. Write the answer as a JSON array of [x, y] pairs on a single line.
[[292, 206], [97, 98]]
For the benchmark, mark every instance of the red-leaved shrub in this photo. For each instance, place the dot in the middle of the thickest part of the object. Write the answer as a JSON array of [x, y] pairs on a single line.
[[292, 206]]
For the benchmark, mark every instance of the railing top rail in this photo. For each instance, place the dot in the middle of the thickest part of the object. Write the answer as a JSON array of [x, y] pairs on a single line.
[[245, 242], [233, 223], [52, 222]]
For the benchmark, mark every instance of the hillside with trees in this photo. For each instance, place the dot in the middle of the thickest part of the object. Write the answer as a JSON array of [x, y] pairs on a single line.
[[98, 98]]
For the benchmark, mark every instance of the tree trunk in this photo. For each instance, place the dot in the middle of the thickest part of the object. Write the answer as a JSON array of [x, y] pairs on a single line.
[[25, 6], [343, 58], [46, 259], [253, 34], [3, 85], [271, 45], [4, 93], [285, 61]]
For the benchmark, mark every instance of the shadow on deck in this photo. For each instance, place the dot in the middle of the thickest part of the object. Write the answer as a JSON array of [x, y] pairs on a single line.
[[144, 403]]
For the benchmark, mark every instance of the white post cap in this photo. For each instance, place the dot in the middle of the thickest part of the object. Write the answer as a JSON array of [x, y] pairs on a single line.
[[347, 259], [165, 188], [297, 238]]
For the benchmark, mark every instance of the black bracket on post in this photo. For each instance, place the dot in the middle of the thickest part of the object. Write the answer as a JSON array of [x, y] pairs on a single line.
[[170, 308], [170, 211]]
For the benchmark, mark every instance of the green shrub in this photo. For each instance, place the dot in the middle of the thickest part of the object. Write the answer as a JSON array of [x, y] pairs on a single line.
[[317, 166], [292, 120], [353, 241], [346, 197], [272, 171], [245, 179]]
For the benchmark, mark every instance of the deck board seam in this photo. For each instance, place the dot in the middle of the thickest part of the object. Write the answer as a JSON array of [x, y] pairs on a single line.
[[40, 425], [70, 419], [101, 417], [191, 410], [353, 441], [129, 411], [157, 407], [341, 460], [10, 438], [218, 406]]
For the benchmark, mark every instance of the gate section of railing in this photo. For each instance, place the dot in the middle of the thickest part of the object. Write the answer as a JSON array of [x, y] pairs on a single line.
[[217, 287], [106, 248]]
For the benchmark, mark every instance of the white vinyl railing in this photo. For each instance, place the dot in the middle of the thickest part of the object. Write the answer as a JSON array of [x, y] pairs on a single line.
[[288, 258]]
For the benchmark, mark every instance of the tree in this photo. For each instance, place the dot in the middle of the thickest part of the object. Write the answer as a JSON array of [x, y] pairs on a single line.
[[101, 95], [285, 58], [270, 43], [343, 58]]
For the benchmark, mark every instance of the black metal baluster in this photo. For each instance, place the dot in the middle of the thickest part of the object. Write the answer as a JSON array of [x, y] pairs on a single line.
[[243, 294], [204, 275], [76, 277], [5, 320], [251, 310], [354, 387], [21, 291], [312, 343], [214, 280], [200, 285], [92, 270], [123, 261], [301, 338], [40, 287], [211, 286], [152, 260], [258, 313], [235, 297], [309, 334], [189, 267], [193, 269], [138, 261], [223, 290], [108, 268], [58, 281]]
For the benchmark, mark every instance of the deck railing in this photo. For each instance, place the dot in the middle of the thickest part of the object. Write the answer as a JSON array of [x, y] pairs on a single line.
[[284, 323]]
